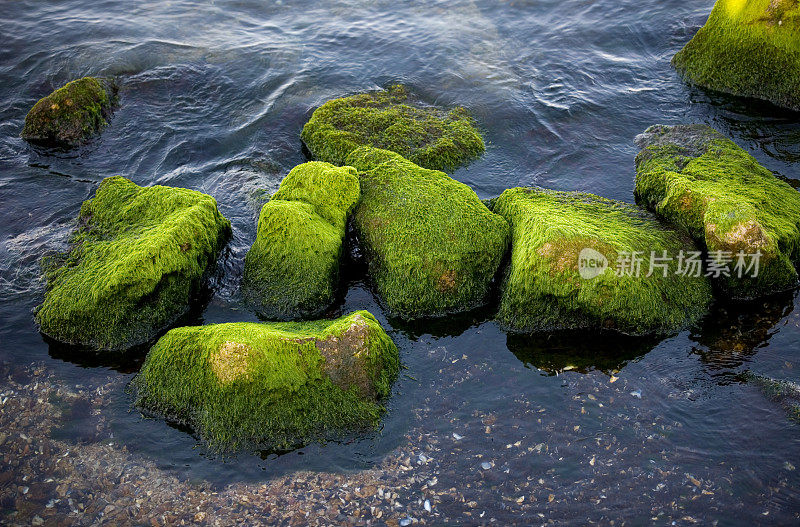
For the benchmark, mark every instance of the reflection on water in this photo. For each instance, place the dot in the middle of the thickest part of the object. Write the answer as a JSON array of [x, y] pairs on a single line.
[[734, 332], [128, 362], [448, 326], [581, 352]]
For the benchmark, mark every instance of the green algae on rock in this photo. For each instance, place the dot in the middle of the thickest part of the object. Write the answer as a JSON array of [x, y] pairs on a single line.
[[433, 248], [547, 288], [748, 48], [430, 137], [697, 179], [292, 269], [72, 114], [137, 260], [277, 384]]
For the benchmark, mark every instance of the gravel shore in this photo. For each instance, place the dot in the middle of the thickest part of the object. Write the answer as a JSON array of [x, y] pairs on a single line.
[[93, 480]]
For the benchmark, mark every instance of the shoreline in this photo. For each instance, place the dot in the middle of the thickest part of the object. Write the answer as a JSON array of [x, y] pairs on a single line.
[[48, 481]]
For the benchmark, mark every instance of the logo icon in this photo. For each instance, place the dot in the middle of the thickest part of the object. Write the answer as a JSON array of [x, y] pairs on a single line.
[[591, 263]]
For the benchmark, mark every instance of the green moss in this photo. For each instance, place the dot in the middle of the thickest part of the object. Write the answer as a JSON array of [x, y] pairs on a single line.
[[72, 114], [136, 261], [433, 247], [293, 267], [278, 385], [544, 289], [749, 48], [430, 137], [698, 179], [332, 191]]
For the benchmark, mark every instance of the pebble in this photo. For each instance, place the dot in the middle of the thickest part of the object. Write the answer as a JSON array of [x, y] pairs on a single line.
[[129, 488]]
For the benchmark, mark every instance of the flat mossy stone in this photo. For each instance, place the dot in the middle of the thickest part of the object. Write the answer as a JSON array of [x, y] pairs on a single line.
[[546, 290], [136, 262], [428, 136], [292, 269], [749, 48], [433, 248], [72, 114], [696, 178], [278, 385]]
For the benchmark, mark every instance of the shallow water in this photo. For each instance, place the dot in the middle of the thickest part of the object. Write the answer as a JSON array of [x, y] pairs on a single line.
[[213, 97]]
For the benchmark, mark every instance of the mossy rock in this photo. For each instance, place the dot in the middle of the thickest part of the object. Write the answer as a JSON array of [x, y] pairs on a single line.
[[72, 114], [546, 288], [748, 48], [136, 262], [278, 385], [433, 248], [292, 269], [699, 180], [430, 137]]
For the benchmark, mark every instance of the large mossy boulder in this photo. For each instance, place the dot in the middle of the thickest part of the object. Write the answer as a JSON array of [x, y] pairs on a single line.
[[574, 266], [277, 385], [389, 119], [292, 269], [136, 262], [433, 248], [734, 208], [72, 114], [748, 48]]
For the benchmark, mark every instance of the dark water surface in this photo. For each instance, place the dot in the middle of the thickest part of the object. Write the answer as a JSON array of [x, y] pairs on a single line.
[[213, 97]]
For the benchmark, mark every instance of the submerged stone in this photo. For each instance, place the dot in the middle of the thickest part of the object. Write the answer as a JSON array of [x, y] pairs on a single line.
[[292, 269], [784, 392], [278, 384], [433, 248], [72, 114], [747, 219], [430, 137], [137, 260], [749, 48], [579, 261]]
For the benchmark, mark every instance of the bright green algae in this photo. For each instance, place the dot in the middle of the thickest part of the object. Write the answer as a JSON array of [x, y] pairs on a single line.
[[430, 137], [749, 48], [433, 248], [544, 290], [72, 114], [136, 261], [292, 270], [699, 180], [279, 384]]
